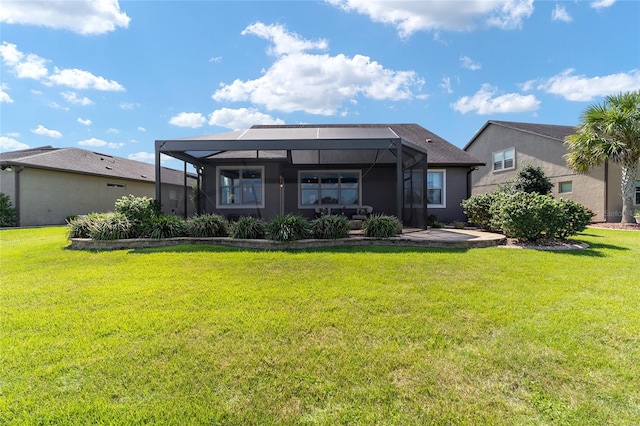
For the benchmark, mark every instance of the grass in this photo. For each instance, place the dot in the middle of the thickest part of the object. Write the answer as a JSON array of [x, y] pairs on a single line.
[[211, 335]]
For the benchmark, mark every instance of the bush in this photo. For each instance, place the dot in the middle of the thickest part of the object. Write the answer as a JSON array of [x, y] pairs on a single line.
[[288, 228], [574, 218], [248, 228], [533, 216], [80, 226], [207, 225], [8, 213], [478, 209], [140, 211], [109, 226], [381, 226], [330, 227], [168, 226]]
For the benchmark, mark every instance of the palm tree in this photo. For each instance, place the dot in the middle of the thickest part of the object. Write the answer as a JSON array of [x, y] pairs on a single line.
[[610, 131]]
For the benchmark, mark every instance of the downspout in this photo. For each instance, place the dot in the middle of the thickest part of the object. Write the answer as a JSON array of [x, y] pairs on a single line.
[[16, 191], [471, 170], [425, 193]]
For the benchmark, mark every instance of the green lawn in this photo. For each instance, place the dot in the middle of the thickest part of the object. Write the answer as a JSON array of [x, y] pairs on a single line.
[[213, 335]]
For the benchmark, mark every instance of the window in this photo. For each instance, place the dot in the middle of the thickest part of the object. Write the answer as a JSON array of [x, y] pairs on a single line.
[[503, 160], [436, 181], [329, 188], [638, 192], [565, 187], [241, 186], [116, 185]]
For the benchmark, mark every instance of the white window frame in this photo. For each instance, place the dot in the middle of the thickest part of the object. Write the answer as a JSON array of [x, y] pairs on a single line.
[[314, 206], [637, 193], [560, 191], [444, 189], [493, 164], [219, 203]]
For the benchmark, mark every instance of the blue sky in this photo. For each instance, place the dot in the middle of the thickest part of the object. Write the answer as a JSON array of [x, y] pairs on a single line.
[[114, 76]]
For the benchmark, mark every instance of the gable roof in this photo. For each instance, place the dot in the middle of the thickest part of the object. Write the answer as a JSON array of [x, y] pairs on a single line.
[[440, 152], [76, 160], [551, 131]]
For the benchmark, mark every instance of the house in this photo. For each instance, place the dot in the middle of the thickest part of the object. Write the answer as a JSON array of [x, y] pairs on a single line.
[[47, 184], [397, 169], [505, 146]]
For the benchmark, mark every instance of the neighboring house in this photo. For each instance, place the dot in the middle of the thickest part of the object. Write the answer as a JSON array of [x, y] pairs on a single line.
[[46, 184], [506, 146], [397, 169]]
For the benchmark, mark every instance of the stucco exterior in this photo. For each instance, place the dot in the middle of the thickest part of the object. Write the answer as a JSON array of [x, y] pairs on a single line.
[[599, 190], [45, 194]]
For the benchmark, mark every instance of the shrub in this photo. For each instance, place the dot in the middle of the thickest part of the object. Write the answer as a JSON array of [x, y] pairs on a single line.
[[109, 226], [8, 213], [80, 226], [248, 228], [381, 226], [288, 228], [459, 225], [330, 227], [168, 226], [207, 225], [478, 209], [523, 215], [140, 211], [571, 218]]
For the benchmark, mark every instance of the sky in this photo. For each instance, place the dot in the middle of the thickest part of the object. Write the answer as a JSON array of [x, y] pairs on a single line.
[[113, 76]]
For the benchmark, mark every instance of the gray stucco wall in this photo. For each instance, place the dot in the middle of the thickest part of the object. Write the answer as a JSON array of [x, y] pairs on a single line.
[[595, 190]]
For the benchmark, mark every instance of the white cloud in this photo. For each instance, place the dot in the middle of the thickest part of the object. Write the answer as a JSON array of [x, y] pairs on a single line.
[[9, 144], [13, 134], [127, 105], [601, 4], [145, 157], [34, 67], [241, 118], [80, 16], [484, 103], [469, 63], [100, 143], [316, 83], [215, 59], [149, 157], [409, 17], [283, 42], [80, 79], [4, 96], [188, 119], [86, 122], [56, 105], [559, 13], [141, 129], [446, 84], [23, 66], [112, 130], [43, 131], [73, 98], [581, 88]]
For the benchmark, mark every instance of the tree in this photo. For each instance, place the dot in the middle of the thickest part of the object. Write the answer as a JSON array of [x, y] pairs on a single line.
[[531, 179], [610, 131]]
